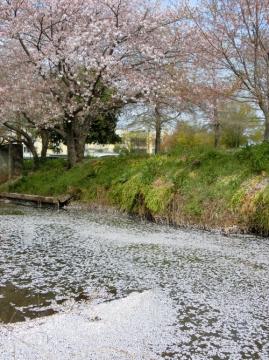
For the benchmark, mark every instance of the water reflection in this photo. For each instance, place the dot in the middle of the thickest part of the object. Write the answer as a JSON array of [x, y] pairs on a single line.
[[18, 304]]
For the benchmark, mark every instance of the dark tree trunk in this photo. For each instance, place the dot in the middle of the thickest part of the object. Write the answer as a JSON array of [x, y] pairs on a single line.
[[36, 161], [158, 131], [216, 135], [75, 141], [265, 110], [45, 143], [31, 147], [80, 144], [216, 126], [71, 150]]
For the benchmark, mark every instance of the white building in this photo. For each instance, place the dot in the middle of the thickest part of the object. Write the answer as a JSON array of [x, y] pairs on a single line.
[[132, 140]]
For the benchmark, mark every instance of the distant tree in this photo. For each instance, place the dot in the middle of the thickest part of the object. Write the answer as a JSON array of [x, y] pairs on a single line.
[[188, 134], [234, 34], [154, 118], [164, 104], [239, 124]]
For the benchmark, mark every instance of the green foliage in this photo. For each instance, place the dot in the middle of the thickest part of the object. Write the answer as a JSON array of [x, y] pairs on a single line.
[[205, 186], [103, 128], [259, 219], [239, 125], [158, 197], [256, 156], [187, 135], [126, 194], [101, 124]]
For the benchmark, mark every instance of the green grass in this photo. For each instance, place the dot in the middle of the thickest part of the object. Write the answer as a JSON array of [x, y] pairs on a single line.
[[194, 185]]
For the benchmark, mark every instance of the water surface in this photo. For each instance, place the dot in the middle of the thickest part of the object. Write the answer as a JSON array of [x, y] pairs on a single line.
[[218, 286]]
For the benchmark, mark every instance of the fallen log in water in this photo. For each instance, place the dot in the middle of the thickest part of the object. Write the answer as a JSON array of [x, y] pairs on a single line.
[[58, 202]]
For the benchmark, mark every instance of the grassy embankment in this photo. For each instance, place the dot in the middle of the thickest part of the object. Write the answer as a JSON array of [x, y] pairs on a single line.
[[201, 187]]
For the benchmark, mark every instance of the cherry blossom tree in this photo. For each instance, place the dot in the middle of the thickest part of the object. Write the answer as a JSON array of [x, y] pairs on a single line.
[[234, 34], [82, 48], [211, 91], [26, 106], [163, 105]]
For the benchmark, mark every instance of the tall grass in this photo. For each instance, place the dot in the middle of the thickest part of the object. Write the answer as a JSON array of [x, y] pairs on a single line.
[[190, 186]]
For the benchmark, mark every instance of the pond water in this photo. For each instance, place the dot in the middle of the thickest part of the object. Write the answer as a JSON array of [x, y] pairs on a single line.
[[218, 286]]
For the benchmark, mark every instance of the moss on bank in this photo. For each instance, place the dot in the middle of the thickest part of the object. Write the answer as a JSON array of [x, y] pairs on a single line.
[[195, 186]]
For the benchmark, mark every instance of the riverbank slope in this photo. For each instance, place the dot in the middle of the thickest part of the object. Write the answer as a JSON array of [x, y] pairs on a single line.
[[194, 187]]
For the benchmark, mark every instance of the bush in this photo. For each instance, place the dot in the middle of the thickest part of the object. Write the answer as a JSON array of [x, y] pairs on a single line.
[[257, 157], [197, 185]]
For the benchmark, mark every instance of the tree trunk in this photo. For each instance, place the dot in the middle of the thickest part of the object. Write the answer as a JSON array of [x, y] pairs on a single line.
[[80, 144], [75, 141], [266, 128], [36, 161], [265, 110], [216, 126], [70, 143], [45, 143], [32, 148], [158, 132], [27, 140], [71, 151], [216, 135]]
